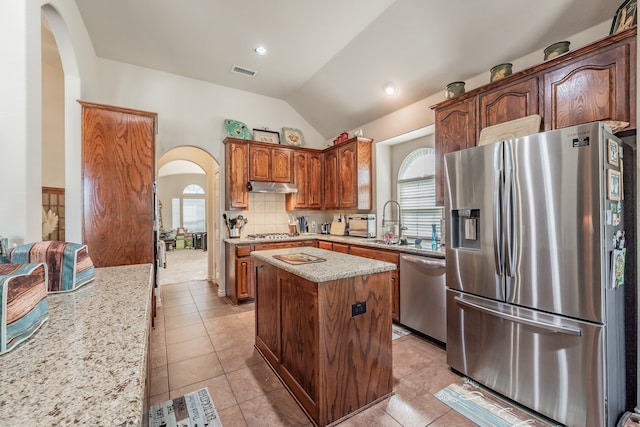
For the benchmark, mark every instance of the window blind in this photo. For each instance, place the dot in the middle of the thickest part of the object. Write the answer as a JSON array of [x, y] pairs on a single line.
[[419, 212]]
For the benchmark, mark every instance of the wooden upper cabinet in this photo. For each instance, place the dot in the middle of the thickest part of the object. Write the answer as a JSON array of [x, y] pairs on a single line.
[[307, 176], [331, 179], [455, 130], [590, 88], [348, 177], [315, 168], [237, 174], [269, 164], [594, 83], [503, 104]]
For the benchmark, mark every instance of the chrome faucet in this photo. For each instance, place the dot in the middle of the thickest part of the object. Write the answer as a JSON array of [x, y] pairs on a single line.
[[401, 228]]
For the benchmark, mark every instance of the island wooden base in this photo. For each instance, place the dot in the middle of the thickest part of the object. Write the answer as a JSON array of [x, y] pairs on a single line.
[[334, 363]]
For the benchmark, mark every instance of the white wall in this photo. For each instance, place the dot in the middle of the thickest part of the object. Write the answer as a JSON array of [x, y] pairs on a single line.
[[172, 186]]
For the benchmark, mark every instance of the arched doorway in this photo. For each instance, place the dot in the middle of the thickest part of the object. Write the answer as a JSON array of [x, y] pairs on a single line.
[[211, 167]]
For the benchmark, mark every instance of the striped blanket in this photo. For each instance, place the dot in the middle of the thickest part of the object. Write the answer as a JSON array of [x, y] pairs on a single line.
[[68, 263], [23, 302]]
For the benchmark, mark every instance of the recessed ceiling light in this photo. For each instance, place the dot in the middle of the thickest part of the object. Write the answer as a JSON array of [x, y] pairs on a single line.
[[390, 89], [260, 50]]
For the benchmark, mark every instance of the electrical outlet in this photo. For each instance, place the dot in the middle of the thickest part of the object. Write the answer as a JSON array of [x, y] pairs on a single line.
[[358, 308]]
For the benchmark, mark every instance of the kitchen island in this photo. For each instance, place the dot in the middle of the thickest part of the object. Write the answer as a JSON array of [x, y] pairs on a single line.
[[323, 323], [88, 363]]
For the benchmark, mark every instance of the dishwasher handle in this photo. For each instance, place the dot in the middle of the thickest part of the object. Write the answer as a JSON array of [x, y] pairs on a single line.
[[426, 262]]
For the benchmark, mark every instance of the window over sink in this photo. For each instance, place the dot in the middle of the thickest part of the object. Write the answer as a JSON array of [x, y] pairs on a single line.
[[417, 194]]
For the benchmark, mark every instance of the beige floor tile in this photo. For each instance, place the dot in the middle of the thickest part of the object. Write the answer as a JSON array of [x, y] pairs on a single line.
[[189, 349], [227, 340], [276, 408], [157, 355], [159, 381], [232, 417], [253, 381], [181, 310], [407, 359], [217, 312], [373, 416], [219, 389], [159, 398], [193, 370], [167, 303], [235, 358], [185, 333], [414, 405], [222, 324], [180, 321]]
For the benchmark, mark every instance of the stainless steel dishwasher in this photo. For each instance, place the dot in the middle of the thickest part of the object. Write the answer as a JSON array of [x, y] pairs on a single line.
[[423, 296]]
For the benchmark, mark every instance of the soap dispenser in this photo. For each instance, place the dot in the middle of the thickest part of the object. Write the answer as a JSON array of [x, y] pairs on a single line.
[[434, 237]]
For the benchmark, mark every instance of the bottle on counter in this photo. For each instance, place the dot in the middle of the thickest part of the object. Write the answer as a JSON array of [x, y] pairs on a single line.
[[434, 237]]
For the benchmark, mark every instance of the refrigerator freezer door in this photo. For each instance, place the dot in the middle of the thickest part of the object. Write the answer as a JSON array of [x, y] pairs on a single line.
[[554, 251], [551, 364], [473, 214]]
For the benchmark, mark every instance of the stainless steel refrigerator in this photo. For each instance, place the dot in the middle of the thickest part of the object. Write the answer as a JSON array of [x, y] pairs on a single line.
[[535, 304]]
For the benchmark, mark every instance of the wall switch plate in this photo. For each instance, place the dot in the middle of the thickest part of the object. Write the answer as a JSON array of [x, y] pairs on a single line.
[[358, 308]]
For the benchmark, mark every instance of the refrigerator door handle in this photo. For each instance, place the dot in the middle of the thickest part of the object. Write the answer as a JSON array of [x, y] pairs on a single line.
[[497, 223], [509, 223], [516, 319]]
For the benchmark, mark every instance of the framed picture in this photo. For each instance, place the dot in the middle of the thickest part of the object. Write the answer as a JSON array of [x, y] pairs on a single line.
[[292, 136], [625, 17], [613, 185], [262, 135], [612, 152]]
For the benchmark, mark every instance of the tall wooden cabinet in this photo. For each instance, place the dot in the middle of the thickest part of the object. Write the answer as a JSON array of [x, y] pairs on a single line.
[[348, 175], [595, 82], [118, 184], [307, 176], [237, 174]]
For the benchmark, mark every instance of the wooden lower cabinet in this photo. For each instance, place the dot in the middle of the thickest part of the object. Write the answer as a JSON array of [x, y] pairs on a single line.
[[387, 256], [325, 245], [240, 283], [340, 247], [333, 364]]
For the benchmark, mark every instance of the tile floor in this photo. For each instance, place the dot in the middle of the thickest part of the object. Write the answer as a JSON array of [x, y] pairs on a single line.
[[202, 340]]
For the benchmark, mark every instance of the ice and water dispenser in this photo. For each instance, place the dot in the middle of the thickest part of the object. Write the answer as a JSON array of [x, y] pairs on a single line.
[[465, 233]]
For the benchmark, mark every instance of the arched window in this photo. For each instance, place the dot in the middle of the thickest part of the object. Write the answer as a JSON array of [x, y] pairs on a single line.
[[189, 211], [417, 194]]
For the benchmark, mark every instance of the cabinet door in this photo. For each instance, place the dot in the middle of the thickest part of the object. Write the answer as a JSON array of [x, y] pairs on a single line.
[[395, 296], [325, 245], [314, 182], [259, 163], [509, 103], [340, 247], [244, 284], [348, 177], [237, 176], [331, 179], [281, 165], [589, 88], [299, 200], [299, 321], [455, 130], [118, 179], [267, 307]]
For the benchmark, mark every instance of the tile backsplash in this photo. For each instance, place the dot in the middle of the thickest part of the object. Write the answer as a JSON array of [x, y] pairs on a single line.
[[267, 214]]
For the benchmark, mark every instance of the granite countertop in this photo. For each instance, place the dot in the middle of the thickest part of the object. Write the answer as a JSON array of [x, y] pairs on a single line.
[[425, 250], [87, 364], [337, 265]]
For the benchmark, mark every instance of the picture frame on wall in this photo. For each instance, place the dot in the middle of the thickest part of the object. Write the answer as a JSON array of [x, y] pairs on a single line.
[[625, 17], [612, 152], [262, 135], [613, 185]]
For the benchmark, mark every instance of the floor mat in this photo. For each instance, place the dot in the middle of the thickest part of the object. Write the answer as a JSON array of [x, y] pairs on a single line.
[[485, 408], [192, 409], [398, 331]]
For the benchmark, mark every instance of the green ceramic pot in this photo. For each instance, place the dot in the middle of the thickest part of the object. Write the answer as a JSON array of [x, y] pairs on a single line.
[[500, 71], [556, 49], [454, 89]]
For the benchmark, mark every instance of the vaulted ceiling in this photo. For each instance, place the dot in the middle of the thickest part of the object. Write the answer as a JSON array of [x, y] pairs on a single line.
[[330, 59]]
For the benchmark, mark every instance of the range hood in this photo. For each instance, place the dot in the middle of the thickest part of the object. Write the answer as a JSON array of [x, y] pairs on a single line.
[[272, 187]]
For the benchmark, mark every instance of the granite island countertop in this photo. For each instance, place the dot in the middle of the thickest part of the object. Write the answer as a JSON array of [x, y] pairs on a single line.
[[337, 265], [87, 364], [425, 250]]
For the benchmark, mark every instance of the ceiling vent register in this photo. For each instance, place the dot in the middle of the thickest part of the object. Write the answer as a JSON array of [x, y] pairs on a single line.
[[243, 71]]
